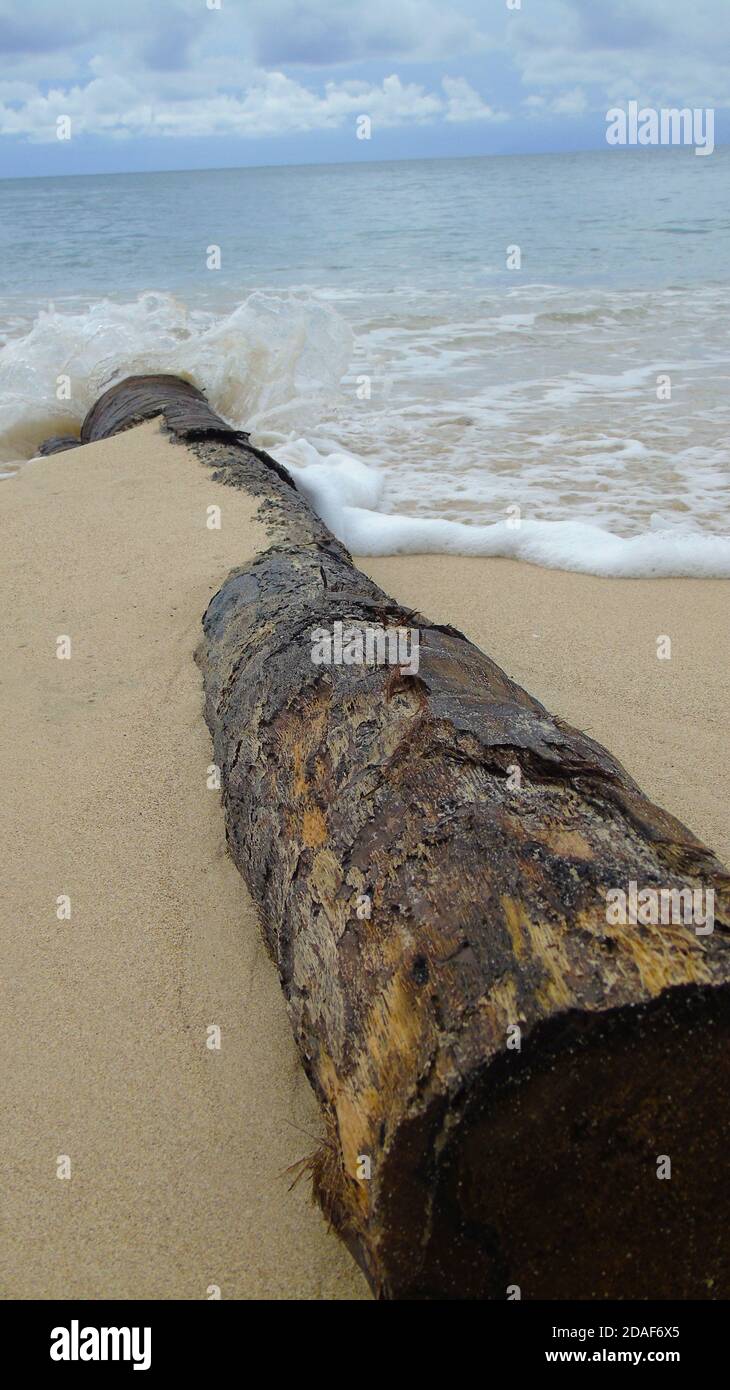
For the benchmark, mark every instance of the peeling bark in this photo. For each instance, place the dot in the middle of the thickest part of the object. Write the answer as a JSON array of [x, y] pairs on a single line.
[[348, 787]]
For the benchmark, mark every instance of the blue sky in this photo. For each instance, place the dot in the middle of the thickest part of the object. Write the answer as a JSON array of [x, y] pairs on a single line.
[[176, 84]]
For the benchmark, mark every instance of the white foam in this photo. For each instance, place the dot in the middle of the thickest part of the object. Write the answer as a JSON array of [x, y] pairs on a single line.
[[607, 481], [339, 487], [272, 362]]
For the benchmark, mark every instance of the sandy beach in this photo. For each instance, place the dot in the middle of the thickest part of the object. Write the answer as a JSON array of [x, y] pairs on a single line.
[[178, 1151]]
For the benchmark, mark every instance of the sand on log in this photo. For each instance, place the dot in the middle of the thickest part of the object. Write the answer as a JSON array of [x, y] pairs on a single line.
[[524, 1094]]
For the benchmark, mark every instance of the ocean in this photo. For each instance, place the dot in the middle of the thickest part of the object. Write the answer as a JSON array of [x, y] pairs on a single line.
[[431, 387]]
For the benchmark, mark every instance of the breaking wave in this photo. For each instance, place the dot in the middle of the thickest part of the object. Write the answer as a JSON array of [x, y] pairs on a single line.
[[286, 366]]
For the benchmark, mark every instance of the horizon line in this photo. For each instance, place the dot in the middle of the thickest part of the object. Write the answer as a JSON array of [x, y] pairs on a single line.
[[616, 151]]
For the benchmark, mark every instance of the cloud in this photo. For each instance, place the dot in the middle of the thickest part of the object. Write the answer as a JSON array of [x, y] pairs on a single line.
[[274, 67], [566, 104], [178, 69], [28, 33], [267, 33], [171, 50], [463, 103], [272, 104], [662, 52], [317, 33]]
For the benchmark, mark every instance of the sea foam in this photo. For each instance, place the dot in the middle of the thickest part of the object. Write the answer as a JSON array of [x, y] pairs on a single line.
[[278, 365], [346, 493], [269, 364]]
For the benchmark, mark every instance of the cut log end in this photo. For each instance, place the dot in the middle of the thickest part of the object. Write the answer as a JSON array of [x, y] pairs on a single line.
[[589, 1166]]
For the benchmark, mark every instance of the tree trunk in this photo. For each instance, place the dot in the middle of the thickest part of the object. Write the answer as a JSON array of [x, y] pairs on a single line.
[[521, 1091]]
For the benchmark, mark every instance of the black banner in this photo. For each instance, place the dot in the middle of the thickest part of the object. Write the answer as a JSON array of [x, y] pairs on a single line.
[[164, 1337]]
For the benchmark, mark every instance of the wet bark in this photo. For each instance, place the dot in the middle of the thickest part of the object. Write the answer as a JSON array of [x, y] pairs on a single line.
[[58, 444], [503, 1066]]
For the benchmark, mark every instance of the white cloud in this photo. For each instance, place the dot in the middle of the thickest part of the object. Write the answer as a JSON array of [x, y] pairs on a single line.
[[661, 52], [176, 68], [465, 104], [572, 103], [270, 104]]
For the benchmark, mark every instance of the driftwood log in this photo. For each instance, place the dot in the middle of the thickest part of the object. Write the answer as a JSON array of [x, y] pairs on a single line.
[[522, 1095]]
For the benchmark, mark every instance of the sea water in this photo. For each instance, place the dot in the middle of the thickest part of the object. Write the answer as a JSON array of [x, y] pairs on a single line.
[[523, 356]]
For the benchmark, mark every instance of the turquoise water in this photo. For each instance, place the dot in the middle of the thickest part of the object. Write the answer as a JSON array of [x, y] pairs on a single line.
[[364, 323]]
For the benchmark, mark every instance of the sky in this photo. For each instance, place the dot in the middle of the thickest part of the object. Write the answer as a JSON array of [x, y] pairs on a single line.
[[186, 84]]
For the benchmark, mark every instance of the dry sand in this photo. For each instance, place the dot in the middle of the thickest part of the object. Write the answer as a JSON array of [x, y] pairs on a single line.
[[177, 1152]]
